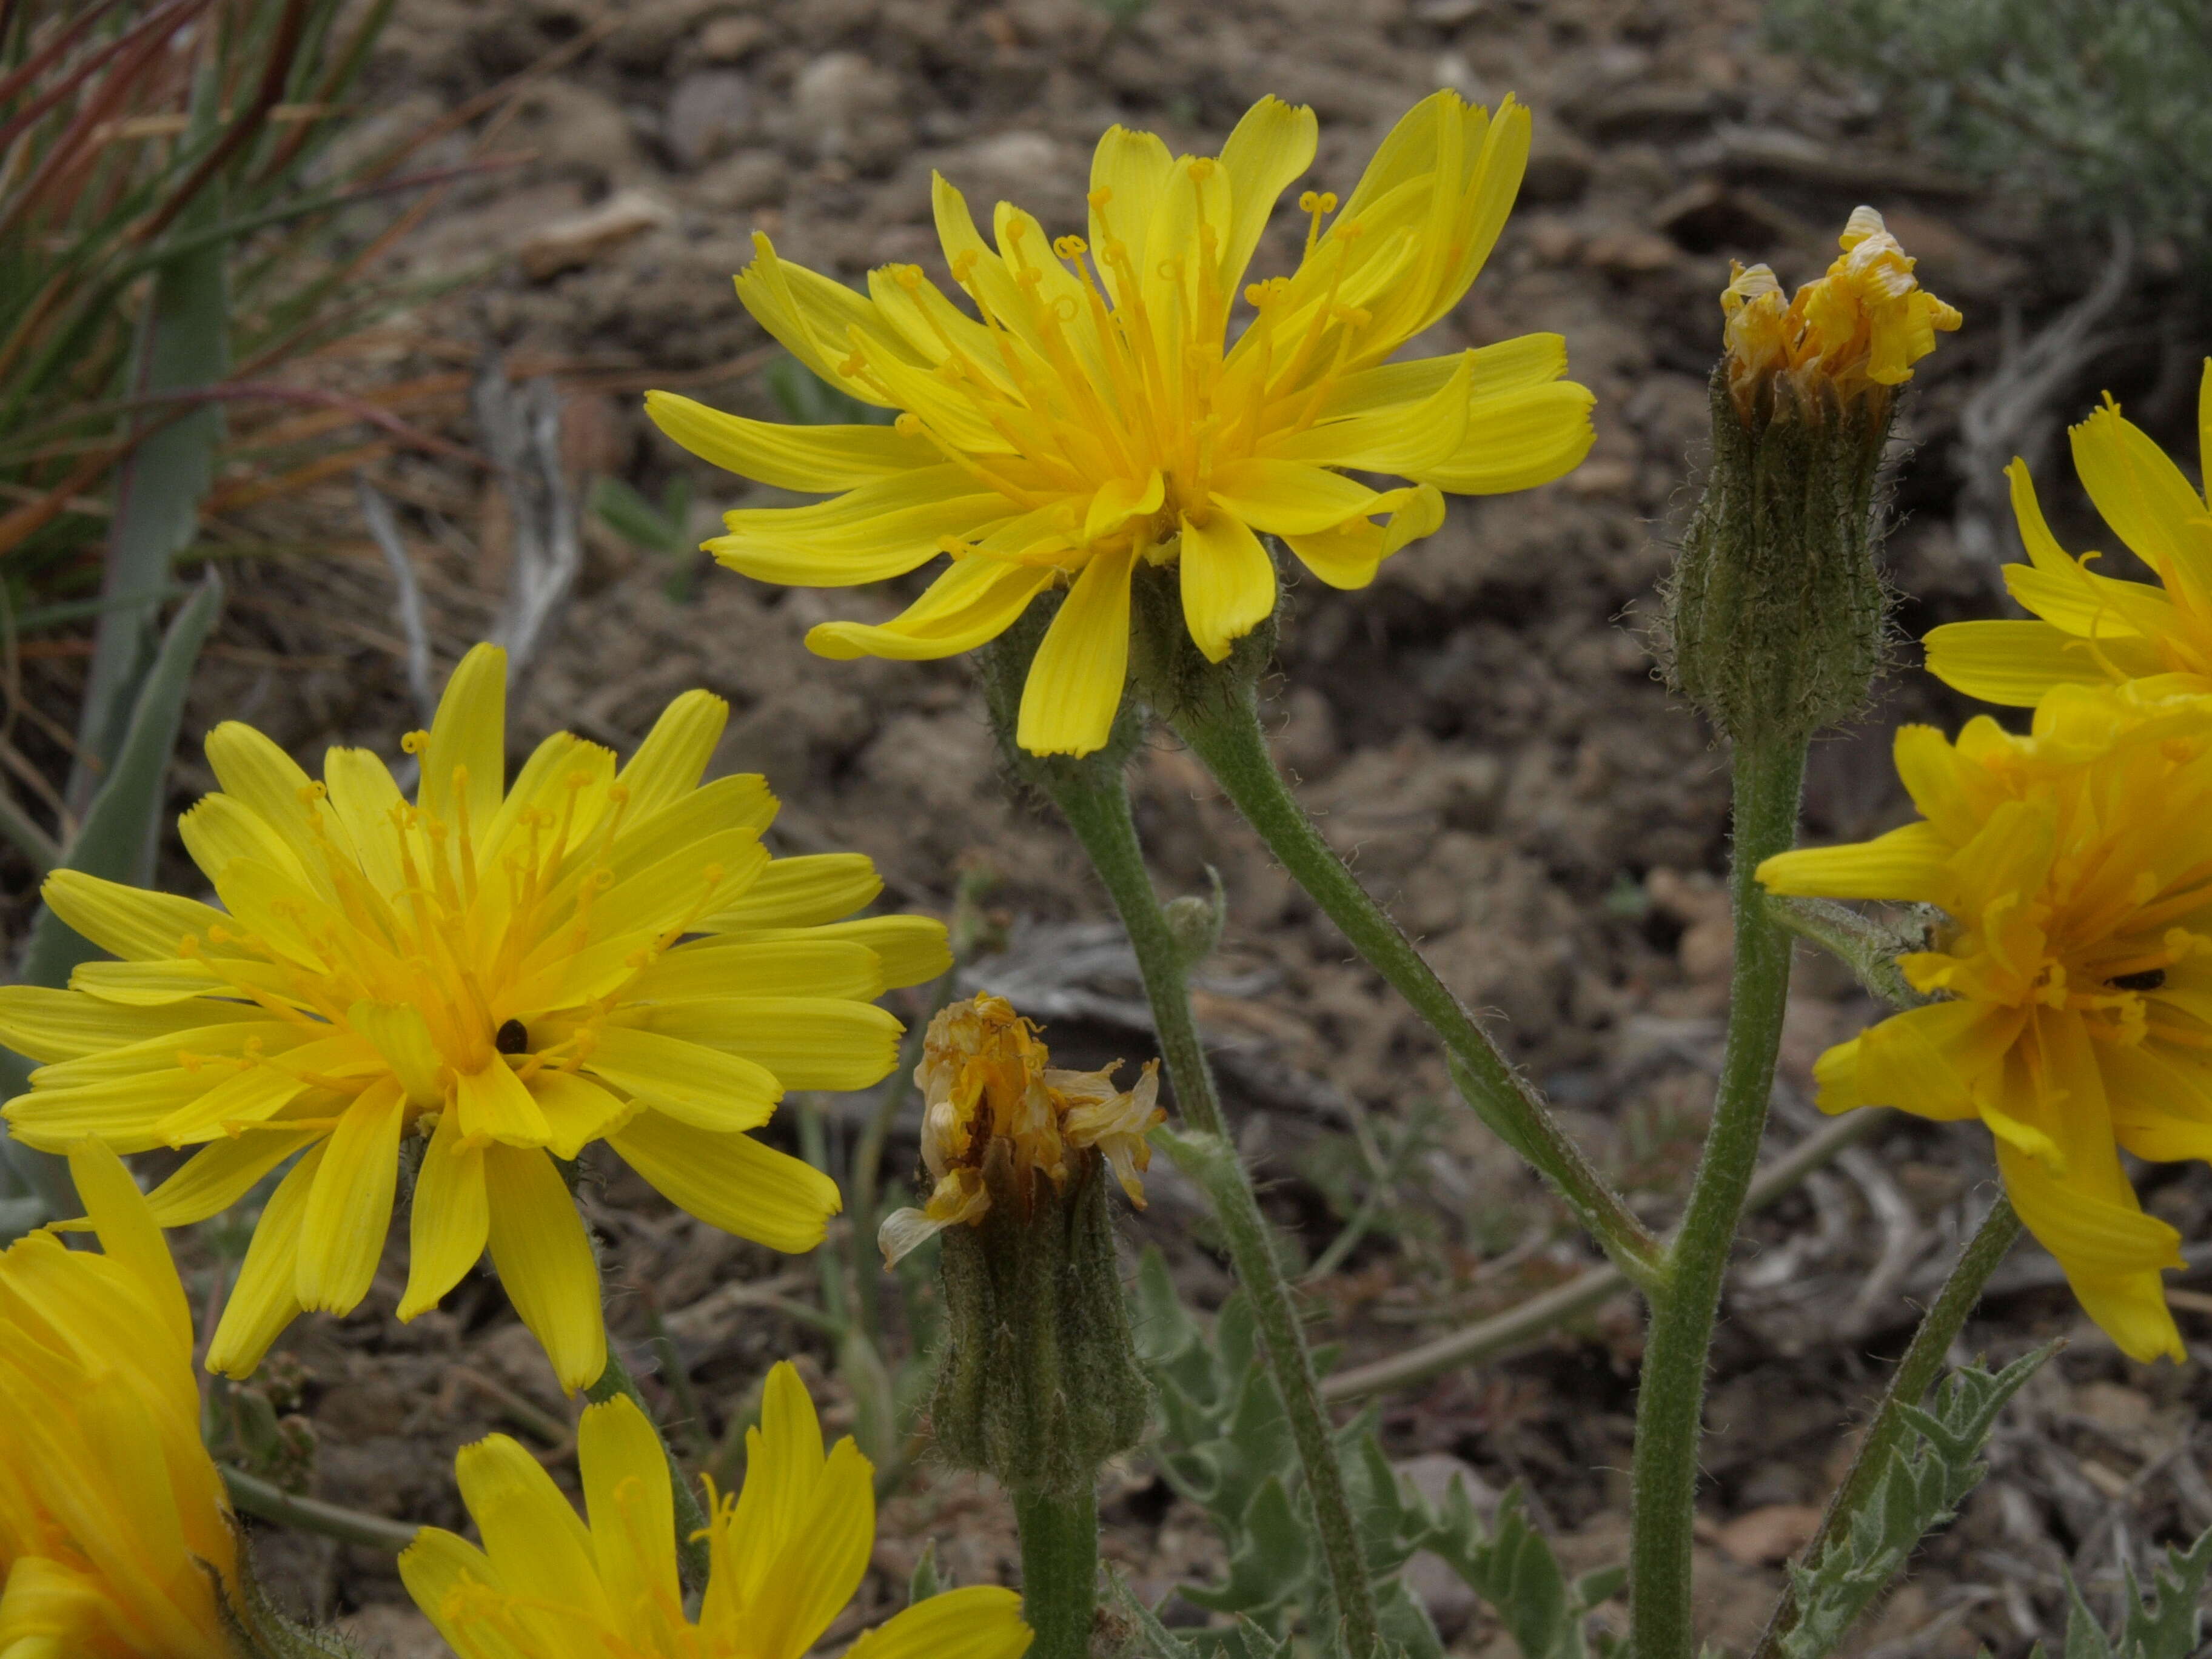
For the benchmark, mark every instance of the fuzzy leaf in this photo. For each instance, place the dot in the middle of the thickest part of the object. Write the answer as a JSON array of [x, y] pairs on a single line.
[[1927, 1478]]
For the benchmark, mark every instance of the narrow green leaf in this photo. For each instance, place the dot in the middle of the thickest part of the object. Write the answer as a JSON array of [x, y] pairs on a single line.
[[116, 842], [184, 345]]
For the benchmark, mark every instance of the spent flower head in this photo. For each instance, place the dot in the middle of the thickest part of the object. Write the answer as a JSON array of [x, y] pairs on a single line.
[[787, 1551], [1125, 397], [2090, 628], [2074, 972], [1037, 1381], [116, 1538], [989, 1093], [1775, 618], [1850, 334], [602, 952]]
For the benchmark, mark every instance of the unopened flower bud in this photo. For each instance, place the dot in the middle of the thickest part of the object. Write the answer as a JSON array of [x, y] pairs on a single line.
[[1195, 922], [1776, 614], [1038, 1382]]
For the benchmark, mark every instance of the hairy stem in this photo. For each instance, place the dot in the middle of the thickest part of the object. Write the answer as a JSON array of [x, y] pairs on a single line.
[[690, 1514], [1670, 1400], [1095, 800], [1059, 1569], [1226, 733], [1908, 1384]]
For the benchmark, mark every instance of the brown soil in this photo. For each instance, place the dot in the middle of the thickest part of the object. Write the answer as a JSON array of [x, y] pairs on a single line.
[[1480, 729]]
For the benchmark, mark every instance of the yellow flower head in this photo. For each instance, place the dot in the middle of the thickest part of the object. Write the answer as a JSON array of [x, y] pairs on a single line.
[[2076, 866], [2095, 630], [787, 1553], [1862, 327], [601, 952], [114, 1531], [989, 1087], [1111, 401]]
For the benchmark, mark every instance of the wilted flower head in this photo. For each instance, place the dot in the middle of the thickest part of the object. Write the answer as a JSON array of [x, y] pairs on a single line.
[[1861, 327], [988, 1091], [601, 952], [787, 1552], [115, 1538], [2074, 864], [2094, 629], [1109, 404]]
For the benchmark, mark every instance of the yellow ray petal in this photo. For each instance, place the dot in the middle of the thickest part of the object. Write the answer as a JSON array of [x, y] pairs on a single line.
[[465, 767], [578, 1111], [673, 757], [807, 1043], [2015, 662], [1517, 442], [811, 317], [977, 1621], [262, 1302], [1228, 588], [2111, 1255], [1287, 498], [218, 1176], [1500, 369], [1270, 147], [976, 600], [816, 887], [1423, 440], [913, 950], [816, 460], [1907, 864], [349, 1207], [451, 1217], [130, 1236], [540, 1549], [146, 984], [1075, 683], [731, 1181], [544, 1262], [402, 1037], [493, 1104], [702, 1086], [138, 926], [2141, 493], [633, 1515], [50, 1026], [436, 1565], [805, 965], [1133, 168]]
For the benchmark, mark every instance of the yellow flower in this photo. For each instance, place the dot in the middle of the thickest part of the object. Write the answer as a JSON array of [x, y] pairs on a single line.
[[2095, 630], [985, 1079], [114, 1531], [787, 1553], [497, 971], [2076, 866], [1863, 326], [1113, 405]]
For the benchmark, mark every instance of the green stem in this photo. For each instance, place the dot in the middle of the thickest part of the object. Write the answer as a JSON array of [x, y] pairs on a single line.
[[690, 1514], [1908, 1384], [1226, 733], [1095, 800], [1096, 803], [1670, 1400], [1059, 1569], [270, 1502]]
